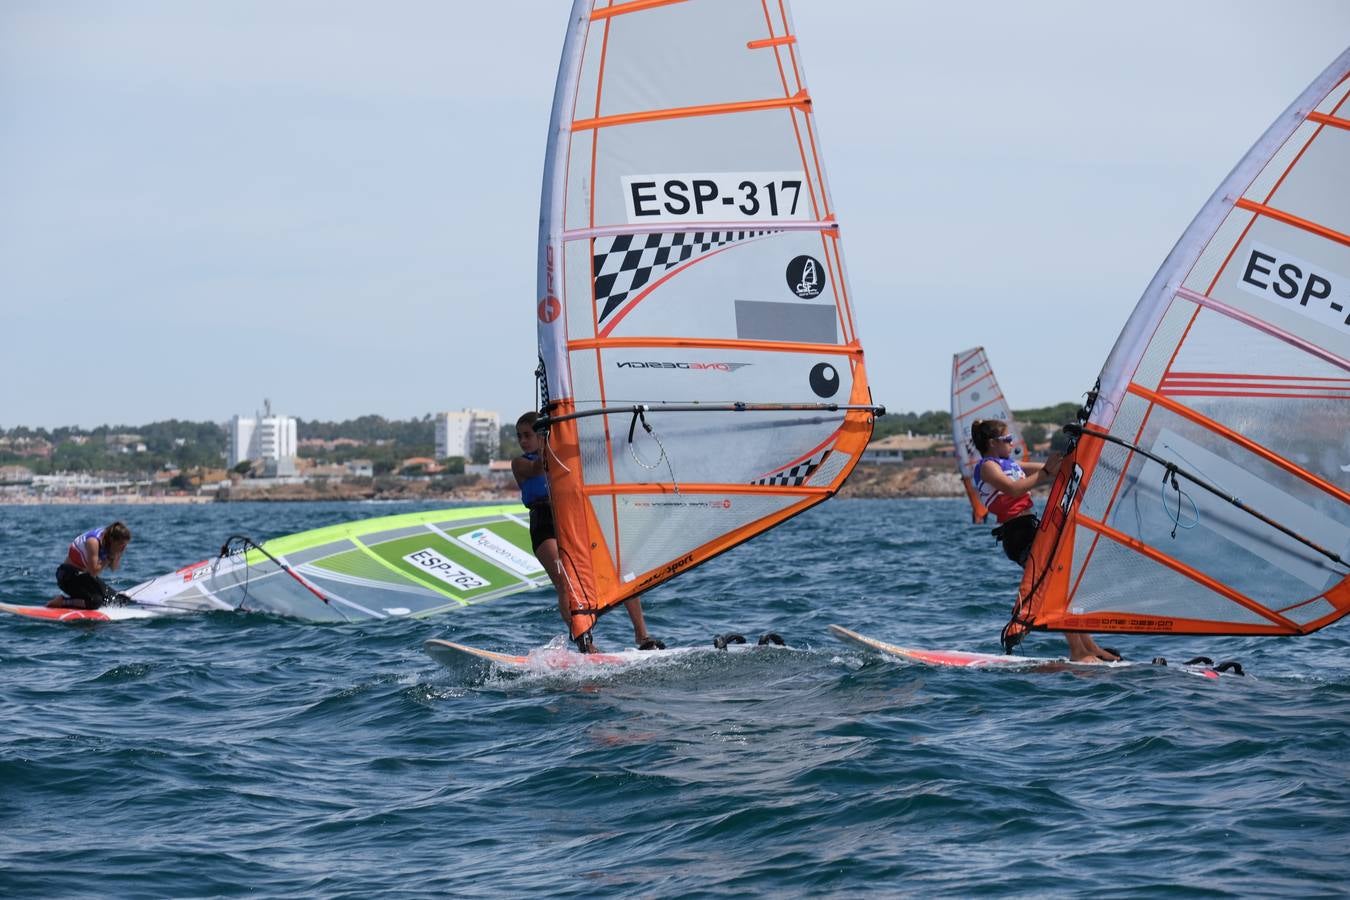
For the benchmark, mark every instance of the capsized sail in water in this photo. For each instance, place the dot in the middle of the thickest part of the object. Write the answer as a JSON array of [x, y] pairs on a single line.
[[416, 564], [1206, 488], [691, 283], [976, 395]]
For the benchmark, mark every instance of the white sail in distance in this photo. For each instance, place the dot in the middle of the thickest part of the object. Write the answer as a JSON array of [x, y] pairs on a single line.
[[976, 396]]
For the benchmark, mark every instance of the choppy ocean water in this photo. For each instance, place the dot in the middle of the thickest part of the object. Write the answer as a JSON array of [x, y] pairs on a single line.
[[232, 754]]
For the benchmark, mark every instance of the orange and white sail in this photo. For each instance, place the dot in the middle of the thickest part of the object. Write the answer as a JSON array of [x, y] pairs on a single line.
[[1208, 490], [975, 396], [703, 375]]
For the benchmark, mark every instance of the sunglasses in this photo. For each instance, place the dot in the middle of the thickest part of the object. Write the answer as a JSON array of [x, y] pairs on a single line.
[[1005, 438]]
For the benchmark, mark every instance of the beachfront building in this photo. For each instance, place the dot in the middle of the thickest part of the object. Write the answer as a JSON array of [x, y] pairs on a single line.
[[266, 437], [461, 433]]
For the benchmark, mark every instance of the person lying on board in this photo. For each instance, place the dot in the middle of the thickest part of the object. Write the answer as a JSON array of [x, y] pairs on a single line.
[[1005, 488], [531, 472], [87, 557]]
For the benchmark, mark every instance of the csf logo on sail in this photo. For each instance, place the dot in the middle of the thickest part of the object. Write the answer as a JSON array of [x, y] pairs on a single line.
[[806, 277], [1294, 283]]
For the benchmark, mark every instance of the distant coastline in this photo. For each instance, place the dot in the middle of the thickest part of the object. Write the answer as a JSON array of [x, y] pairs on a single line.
[[868, 482]]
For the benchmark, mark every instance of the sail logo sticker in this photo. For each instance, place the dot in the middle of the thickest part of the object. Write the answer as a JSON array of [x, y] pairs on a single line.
[[715, 197], [549, 309], [806, 277], [1294, 283], [689, 366], [438, 567], [501, 551], [824, 379], [1071, 489], [196, 570]]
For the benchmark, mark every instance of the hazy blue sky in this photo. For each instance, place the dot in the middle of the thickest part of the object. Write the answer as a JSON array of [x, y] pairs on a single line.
[[334, 204]]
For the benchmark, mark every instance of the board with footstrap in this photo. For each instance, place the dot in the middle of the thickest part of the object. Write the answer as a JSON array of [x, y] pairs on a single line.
[[1202, 666]]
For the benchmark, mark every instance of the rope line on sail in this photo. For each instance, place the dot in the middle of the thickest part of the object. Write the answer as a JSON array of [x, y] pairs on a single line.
[[1202, 483], [248, 542], [639, 416]]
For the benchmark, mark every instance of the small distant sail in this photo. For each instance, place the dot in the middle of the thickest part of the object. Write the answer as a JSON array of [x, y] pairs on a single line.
[[976, 395], [702, 374], [1206, 492], [416, 564]]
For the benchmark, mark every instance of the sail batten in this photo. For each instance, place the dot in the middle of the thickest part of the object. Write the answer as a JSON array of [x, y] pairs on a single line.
[[1287, 218], [797, 101], [1207, 488], [689, 265]]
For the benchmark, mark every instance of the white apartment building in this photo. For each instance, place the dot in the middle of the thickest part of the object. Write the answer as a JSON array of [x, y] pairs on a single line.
[[458, 433], [266, 437]]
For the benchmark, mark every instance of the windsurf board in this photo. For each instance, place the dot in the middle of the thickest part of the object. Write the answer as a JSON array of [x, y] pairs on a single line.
[[102, 614], [972, 660], [454, 655]]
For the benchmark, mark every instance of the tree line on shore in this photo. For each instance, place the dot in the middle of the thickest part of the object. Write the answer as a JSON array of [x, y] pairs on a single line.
[[175, 443]]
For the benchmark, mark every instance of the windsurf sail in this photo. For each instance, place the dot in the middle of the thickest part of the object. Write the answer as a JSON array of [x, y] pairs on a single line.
[[416, 564], [976, 395], [690, 282], [1206, 491]]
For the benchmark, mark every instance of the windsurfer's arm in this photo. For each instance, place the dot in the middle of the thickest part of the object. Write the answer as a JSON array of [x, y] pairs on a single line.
[[94, 564], [525, 469], [1049, 467], [993, 475]]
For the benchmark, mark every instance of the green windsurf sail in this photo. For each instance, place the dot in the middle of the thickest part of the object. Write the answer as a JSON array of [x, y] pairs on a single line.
[[415, 564]]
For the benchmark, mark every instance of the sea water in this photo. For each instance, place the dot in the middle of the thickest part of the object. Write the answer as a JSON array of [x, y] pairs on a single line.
[[230, 754]]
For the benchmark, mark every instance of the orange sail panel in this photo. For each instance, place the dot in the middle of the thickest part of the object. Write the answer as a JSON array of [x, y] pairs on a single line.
[[703, 374], [975, 396], [1208, 492]]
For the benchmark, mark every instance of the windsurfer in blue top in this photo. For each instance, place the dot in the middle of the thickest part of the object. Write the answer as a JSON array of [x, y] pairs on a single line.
[[531, 472], [86, 558], [1005, 489]]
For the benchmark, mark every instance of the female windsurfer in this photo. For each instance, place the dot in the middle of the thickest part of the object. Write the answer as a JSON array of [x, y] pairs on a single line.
[[87, 557], [1005, 488], [531, 472]]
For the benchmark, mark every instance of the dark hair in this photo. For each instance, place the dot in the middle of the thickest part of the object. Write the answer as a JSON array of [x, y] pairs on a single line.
[[528, 419], [984, 432], [117, 532]]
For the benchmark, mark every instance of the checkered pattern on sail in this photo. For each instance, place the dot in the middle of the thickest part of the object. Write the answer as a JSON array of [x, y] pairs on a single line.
[[625, 262], [796, 474]]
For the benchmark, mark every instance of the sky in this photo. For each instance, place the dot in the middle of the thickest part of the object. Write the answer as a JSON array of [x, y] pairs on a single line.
[[334, 204]]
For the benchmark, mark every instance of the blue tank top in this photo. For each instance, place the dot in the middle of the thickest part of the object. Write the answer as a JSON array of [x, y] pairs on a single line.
[[534, 489]]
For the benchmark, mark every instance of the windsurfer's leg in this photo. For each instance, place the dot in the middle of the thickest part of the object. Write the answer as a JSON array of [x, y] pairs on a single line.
[[1080, 647], [634, 607], [1099, 651], [81, 590], [547, 554]]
